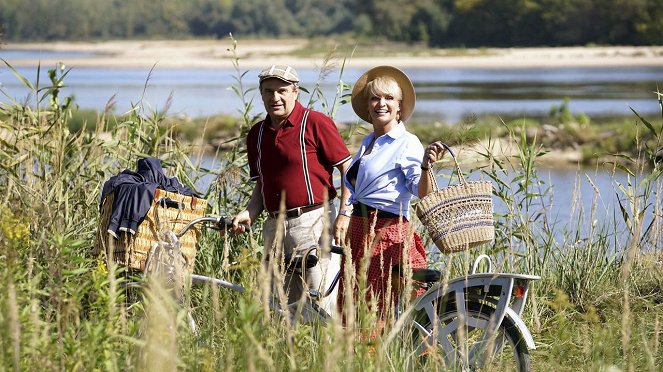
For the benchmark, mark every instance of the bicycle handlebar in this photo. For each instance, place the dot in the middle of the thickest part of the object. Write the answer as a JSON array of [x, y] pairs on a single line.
[[217, 223]]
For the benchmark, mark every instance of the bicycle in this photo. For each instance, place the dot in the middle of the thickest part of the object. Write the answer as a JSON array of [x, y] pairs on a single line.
[[471, 319]]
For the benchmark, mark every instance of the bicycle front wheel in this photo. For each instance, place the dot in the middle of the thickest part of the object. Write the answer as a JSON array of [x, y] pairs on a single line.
[[465, 342]]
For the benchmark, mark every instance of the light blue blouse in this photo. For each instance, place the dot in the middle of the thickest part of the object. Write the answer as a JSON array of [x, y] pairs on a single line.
[[388, 177]]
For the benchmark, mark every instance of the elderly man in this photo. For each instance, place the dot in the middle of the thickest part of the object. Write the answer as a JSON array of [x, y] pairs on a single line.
[[292, 154]]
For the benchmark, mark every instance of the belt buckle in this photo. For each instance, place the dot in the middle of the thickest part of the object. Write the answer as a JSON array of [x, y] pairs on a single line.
[[297, 212], [291, 213]]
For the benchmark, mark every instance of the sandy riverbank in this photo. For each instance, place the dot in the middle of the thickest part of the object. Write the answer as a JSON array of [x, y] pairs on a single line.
[[257, 53]]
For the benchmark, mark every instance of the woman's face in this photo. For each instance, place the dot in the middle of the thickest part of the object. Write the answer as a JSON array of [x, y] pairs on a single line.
[[384, 108]]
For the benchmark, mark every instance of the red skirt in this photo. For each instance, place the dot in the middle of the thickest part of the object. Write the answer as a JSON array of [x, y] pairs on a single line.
[[388, 243]]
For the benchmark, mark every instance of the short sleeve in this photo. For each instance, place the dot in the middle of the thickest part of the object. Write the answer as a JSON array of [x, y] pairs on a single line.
[[331, 148]]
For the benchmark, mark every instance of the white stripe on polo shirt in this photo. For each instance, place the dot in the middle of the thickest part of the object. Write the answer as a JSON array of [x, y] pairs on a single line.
[[302, 148], [262, 184]]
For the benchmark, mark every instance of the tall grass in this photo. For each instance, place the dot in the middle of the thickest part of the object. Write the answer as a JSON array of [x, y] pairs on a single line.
[[591, 269], [61, 308]]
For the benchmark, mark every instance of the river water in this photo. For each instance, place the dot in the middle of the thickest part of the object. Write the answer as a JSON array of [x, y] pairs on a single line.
[[444, 95]]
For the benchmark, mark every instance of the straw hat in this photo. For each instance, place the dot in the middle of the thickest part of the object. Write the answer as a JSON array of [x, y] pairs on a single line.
[[360, 96]]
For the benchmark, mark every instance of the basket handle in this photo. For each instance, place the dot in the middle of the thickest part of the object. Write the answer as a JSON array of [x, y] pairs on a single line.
[[461, 178], [478, 260]]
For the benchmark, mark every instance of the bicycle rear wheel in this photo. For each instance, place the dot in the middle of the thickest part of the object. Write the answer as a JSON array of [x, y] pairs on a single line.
[[464, 343]]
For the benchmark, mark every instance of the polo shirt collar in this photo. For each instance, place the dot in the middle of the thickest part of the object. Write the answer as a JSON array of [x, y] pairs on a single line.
[[295, 117]]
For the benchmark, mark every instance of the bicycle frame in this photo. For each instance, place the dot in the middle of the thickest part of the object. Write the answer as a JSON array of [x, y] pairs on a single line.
[[307, 308]]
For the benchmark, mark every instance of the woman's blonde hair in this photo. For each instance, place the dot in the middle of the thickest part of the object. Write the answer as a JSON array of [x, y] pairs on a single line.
[[384, 85]]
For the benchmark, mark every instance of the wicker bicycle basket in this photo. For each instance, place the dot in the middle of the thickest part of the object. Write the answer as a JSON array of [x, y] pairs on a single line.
[[132, 250], [458, 217]]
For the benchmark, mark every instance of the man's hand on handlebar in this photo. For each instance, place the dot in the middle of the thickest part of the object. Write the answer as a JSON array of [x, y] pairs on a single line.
[[241, 222]]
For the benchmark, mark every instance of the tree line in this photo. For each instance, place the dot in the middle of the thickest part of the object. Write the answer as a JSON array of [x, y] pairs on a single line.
[[449, 23]]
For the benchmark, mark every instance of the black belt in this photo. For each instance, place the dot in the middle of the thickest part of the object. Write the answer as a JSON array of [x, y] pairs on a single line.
[[363, 210], [296, 212]]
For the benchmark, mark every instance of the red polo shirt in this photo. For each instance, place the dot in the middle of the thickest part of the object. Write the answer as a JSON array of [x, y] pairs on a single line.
[[297, 159]]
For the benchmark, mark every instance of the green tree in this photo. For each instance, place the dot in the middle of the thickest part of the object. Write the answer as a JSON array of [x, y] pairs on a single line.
[[567, 22], [263, 18], [436, 22], [322, 17], [430, 22], [207, 17], [649, 26], [499, 22]]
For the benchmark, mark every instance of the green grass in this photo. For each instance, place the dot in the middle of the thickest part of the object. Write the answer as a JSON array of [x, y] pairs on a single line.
[[61, 307]]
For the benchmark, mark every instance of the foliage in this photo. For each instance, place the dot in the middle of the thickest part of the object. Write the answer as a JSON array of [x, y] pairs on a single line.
[[562, 114], [461, 23], [465, 133], [597, 306], [596, 274]]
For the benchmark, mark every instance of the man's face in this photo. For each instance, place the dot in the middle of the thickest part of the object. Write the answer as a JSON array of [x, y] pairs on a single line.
[[279, 98]]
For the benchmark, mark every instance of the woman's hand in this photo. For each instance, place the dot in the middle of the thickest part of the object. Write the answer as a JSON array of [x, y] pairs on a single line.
[[434, 152], [341, 229]]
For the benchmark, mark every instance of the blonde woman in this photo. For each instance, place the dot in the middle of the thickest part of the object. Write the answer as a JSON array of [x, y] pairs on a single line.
[[384, 175]]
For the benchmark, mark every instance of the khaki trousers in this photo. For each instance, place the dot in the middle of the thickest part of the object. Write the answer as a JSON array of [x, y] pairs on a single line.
[[298, 235]]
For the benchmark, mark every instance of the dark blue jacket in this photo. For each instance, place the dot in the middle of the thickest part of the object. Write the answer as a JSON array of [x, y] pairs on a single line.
[[134, 192]]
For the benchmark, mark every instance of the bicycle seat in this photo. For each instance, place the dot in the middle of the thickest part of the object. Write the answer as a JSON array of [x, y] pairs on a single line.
[[426, 275], [420, 275], [308, 262]]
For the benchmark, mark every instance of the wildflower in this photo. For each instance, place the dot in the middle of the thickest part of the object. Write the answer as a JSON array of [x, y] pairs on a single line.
[[12, 228], [101, 267]]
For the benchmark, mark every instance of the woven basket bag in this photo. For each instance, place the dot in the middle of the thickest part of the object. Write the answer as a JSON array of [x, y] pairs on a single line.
[[458, 217], [132, 250]]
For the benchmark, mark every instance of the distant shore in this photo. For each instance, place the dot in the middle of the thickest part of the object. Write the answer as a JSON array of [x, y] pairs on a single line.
[[257, 53]]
